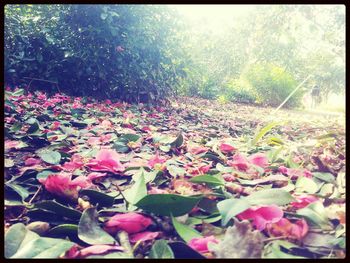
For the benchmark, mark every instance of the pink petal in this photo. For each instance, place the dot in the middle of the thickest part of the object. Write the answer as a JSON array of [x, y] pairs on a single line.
[[201, 244], [99, 249], [226, 148], [94, 175], [259, 159]]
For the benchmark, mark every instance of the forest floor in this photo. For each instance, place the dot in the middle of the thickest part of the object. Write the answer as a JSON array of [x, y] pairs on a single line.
[[77, 170]]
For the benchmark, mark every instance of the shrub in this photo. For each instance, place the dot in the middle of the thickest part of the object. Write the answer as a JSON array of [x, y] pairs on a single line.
[[239, 90], [272, 85], [114, 51]]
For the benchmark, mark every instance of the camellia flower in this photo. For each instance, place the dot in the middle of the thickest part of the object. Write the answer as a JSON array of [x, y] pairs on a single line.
[[226, 148], [239, 161], [91, 250], [200, 244], [61, 184], [75, 163], [262, 215], [295, 173], [198, 149], [259, 159], [31, 161], [284, 227], [156, 160], [303, 200], [106, 160], [130, 222]]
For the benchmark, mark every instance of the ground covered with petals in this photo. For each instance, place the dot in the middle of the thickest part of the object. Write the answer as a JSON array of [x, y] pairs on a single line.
[[191, 179]]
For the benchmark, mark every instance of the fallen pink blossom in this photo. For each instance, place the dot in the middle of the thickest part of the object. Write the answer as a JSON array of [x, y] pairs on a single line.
[[201, 244], [107, 161], [262, 215], [143, 236], [130, 222]]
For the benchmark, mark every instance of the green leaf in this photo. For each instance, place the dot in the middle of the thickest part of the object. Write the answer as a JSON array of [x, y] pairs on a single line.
[[34, 125], [166, 204], [178, 141], [315, 214], [51, 157], [184, 231], [270, 197], [208, 179], [16, 236], [22, 243], [21, 191], [44, 174], [98, 197], [231, 207], [260, 133], [59, 209], [136, 192], [89, 230], [160, 249], [327, 177], [120, 147], [129, 137], [304, 184], [63, 229]]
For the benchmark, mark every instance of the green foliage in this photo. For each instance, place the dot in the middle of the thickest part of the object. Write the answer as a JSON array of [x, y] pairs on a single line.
[[114, 51], [239, 90], [272, 84]]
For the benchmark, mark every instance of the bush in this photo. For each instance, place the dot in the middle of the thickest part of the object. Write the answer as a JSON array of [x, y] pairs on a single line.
[[239, 90], [272, 85], [114, 51]]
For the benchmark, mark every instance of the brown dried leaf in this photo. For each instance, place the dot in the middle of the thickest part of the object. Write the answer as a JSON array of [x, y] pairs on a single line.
[[240, 241]]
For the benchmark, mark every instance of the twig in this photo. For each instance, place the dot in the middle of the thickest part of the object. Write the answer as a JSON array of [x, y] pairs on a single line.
[[50, 81], [274, 238], [36, 193]]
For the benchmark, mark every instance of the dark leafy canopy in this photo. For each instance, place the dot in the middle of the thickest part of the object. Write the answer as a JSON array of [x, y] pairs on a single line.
[[115, 51]]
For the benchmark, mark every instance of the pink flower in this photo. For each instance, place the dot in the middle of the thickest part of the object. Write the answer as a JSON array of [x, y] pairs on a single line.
[[95, 175], [75, 163], [61, 184], [106, 124], [130, 222], [143, 236], [239, 161], [200, 244], [107, 161], [31, 161], [93, 141], [91, 250], [284, 227], [156, 160], [229, 177], [295, 173], [227, 148], [198, 150], [259, 159], [303, 200], [262, 215], [11, 144]]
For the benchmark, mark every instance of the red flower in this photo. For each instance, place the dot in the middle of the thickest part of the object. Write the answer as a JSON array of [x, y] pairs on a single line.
[[285, 228], [262, 215], [259, 159], [200, 244], [61, 184], [303, 200], [227, 148], [130, 222], [107, 161]]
